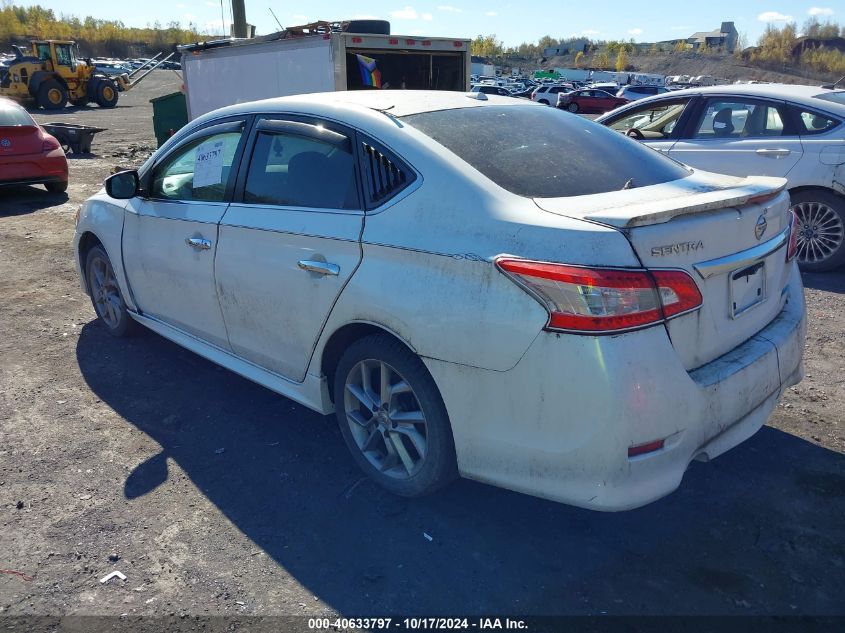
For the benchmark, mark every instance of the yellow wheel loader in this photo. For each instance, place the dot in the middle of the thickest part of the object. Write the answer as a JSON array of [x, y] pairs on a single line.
[[51, 75]]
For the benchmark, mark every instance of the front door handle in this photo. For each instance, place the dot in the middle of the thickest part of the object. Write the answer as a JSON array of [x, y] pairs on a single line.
[[323, 268], [774, 153], [199, 243]]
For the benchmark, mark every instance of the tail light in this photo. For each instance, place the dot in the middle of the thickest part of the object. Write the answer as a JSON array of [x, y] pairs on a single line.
[[603, 300], [794, 229], [49, 143]]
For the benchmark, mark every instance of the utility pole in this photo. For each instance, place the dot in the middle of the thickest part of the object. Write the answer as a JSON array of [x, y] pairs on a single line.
[[238, 19]]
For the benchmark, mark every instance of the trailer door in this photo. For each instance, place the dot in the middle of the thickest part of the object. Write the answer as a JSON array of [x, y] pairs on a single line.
[[405, 69]]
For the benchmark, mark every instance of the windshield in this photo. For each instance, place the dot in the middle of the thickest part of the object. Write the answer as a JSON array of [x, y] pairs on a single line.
[[556, 154]]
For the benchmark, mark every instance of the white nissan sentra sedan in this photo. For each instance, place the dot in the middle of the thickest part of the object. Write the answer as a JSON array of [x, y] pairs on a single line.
[[579, 332]]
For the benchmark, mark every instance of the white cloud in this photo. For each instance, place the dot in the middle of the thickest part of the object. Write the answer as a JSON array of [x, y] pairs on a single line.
[[449, 8], [427, 17], [180, 6], [820, 11], [408, 13], [774, 16], [190, 16], [212, 4], [589, 32], [636, 31], [492, 14]]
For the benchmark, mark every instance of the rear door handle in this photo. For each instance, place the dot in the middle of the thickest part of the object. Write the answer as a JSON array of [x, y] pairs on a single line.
[[774, 153], [199, 243], [322, 268]]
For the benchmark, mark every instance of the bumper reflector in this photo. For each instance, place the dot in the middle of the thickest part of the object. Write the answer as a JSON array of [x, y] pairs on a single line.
[[642, 449]]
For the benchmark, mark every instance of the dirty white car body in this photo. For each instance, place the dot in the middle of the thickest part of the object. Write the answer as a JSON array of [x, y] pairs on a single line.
[[792, 132], [608, 417]]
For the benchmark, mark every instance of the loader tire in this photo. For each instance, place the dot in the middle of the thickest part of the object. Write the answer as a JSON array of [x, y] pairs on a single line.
[[52, 95], [105, 94]]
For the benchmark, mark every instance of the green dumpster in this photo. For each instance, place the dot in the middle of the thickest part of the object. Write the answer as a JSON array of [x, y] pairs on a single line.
[[170, 113]]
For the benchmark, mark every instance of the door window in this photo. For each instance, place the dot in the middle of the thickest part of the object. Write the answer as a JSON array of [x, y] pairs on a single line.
[[198, 171], [299, 171], [655, 121], [732, 118]]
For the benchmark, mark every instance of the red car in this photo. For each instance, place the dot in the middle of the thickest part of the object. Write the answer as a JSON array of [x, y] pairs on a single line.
[[28, 155], [589, 100]]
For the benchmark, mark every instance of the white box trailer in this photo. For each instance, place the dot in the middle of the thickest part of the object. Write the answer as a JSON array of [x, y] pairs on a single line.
[[226, 72]]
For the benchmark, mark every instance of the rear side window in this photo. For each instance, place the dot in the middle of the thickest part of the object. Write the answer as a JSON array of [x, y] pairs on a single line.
[[14, 116], [297, 171], [383, 174], [556, 154]]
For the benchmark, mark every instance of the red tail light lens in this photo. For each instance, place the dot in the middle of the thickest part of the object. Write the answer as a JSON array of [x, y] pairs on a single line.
[[49, 143], [603, 299], [794, 229]]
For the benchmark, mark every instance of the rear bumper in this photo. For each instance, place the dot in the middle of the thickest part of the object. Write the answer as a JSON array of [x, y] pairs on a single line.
[[34, 168], [559, 424]]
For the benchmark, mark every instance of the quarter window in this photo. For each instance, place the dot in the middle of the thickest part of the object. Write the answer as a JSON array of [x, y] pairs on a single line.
[[298, 171], [739, 119], [198, 171], [815, 123]]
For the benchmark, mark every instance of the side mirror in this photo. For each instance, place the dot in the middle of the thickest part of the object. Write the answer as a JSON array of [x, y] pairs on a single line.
[[123, 185]]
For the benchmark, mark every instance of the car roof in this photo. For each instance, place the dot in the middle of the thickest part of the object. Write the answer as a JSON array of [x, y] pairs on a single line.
[[395, 103], [802, 94]]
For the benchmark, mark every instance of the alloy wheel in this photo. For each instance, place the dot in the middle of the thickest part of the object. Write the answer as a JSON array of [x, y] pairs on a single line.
[[385, 419], [820, 231], [105, 292]]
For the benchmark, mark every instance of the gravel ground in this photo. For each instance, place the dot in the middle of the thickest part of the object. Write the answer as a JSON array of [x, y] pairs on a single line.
[[215, 496]]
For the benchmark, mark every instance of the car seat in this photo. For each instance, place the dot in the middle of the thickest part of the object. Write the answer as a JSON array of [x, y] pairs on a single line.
[[723, 123]]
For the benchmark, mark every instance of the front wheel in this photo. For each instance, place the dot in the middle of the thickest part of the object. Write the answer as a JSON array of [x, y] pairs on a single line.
[[821, 229], [392, 417], [105, 293]]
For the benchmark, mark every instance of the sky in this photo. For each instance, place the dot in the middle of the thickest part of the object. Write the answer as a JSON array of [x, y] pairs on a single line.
[[512, 22]]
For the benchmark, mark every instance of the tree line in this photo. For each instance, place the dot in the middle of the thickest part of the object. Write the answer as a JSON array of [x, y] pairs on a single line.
[[19, 24]]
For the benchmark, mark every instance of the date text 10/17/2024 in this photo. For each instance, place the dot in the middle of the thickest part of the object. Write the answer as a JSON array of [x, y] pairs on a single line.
[[417, 624]]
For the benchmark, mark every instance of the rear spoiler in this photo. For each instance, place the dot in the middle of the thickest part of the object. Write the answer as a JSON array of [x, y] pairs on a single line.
[[689, 201]]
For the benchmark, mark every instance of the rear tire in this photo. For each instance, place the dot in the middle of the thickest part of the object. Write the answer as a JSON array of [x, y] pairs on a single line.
[[105, 294], [105, 94], [392, 417], [56, 187], [821, 230], [52, 95], [572, 107]]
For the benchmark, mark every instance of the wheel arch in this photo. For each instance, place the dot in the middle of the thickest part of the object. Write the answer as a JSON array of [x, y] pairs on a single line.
[[806, 188], [87, 241], [340, 340], [40, 77]]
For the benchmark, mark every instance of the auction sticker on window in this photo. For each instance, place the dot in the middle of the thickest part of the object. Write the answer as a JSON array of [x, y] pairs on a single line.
[[208, 165]]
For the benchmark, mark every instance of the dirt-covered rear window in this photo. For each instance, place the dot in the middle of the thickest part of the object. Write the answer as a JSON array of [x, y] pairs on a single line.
[[12, 115], [543, 152]]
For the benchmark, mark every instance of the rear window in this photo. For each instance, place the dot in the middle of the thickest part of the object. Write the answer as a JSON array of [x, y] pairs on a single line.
[[555, 154], [11, 115], [836, 97]]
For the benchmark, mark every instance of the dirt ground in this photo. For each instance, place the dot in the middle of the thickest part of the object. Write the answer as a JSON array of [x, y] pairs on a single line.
[[215, 496]]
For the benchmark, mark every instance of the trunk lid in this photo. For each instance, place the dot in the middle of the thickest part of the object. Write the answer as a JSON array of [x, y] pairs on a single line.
[[730, 234], [20, 140]]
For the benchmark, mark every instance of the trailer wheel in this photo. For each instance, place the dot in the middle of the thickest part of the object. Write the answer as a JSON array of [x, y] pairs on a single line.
[[105, 94], [52, 95]]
